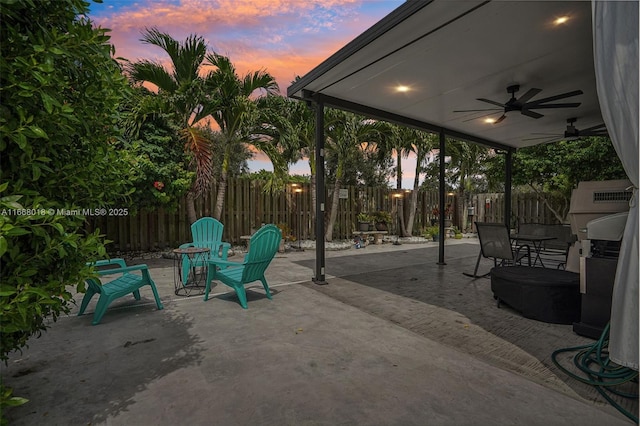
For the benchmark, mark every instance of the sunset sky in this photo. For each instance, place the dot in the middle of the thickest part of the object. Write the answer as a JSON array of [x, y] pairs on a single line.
[[287, 38]]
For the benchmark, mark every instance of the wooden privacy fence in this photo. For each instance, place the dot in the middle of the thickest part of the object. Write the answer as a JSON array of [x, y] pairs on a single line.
[[247, 207], [526, 207]]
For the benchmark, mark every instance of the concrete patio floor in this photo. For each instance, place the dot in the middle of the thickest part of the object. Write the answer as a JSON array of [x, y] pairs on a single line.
[[394, 339]]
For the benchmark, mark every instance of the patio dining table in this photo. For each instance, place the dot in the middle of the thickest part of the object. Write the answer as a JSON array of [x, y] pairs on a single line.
[[535, 240]]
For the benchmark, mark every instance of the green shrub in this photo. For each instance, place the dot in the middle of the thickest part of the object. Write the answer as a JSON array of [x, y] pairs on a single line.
[[60, 92], [157, 159], [365, 217], [430, 231], [382, 216]]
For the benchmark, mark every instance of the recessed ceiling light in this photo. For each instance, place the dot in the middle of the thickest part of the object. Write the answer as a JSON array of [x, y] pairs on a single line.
[[402, 88], [561, 20]]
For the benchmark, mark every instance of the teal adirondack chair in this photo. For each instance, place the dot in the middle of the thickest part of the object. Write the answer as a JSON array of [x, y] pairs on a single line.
[[262, 249], [206, 233], [126, 283]]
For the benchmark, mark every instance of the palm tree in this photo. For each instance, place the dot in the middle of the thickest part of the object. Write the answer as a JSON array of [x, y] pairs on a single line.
[[182, 91], [400, 140], [240, 155], [303, 127], [292, 124], [274, 134], [345, 134], [467, 160], [422, 143], [235, 110]]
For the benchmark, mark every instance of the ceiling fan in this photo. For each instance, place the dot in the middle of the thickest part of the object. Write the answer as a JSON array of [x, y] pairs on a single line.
[[572, 132], [523, 105]]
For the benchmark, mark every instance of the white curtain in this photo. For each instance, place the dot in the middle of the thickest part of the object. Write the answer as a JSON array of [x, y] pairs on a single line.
[[615, 44]]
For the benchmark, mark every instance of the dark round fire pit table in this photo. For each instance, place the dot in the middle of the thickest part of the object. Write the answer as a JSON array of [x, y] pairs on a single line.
[[548, 295]]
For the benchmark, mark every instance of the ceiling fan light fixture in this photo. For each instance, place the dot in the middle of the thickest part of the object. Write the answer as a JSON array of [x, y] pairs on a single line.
[[561, 20], [489, 120], [525, 104], [571, 133]]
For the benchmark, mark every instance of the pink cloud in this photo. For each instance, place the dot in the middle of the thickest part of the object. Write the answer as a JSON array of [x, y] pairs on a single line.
[[284, 37], [201, 16], [284, 66], [287, 38]]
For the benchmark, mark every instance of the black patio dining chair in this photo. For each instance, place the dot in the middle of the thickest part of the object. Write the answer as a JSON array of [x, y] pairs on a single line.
[[555, 251], [495, 244]]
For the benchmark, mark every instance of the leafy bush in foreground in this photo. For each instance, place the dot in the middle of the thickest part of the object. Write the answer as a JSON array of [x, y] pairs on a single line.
[[60, 90]]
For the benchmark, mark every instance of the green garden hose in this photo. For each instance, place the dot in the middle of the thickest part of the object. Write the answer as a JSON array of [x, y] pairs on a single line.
[[593, 360]]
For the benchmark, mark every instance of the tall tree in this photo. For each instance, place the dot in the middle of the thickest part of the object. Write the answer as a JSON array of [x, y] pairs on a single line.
[[302, 125], [554, 169], [182, 90], [235, 110], [345, 134], [238, 159], [467, 161], [274, 133], [422, 143], [397, 140]]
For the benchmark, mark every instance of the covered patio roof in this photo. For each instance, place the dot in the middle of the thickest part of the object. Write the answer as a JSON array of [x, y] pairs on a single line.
[[428, 59], [427, 63]]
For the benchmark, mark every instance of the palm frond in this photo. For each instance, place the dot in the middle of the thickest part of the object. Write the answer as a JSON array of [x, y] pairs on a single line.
[[207, 108], [197, 143], [277, 182], [152, 72], [190, 58], [162, 40], [221, 62], [259, 80], [186, 57]]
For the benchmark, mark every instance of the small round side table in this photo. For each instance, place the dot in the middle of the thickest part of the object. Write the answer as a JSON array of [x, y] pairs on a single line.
[[197, 262]]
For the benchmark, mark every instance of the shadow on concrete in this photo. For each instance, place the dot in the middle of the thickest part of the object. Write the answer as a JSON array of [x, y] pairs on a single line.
[[131, 348], [253, 294]]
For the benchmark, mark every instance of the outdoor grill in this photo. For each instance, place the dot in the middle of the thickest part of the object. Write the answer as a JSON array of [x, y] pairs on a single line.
[[592, 200], [598, 214]]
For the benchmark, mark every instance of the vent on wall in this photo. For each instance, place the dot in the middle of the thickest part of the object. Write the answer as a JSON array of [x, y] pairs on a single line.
[[611, 196]]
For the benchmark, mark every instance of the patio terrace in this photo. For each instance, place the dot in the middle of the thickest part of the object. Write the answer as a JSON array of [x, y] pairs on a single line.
[[393, 339]]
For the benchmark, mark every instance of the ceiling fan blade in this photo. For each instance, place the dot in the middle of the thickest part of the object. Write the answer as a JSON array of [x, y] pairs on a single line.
[[595, 133], [478, 110], [550, 137], [550, 106], [559, 138], [530, 94], [531, 114], [546, 139], [557, 97], [502, 117], [547, 134], [479, 116], [490, 102], [587, 134], [599, 128]]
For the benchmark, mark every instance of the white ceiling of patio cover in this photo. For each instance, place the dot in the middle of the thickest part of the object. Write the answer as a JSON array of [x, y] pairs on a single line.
[[457, 51]]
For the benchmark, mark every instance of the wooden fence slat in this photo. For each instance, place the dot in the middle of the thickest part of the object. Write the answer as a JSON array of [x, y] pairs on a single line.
[[247, 207]]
